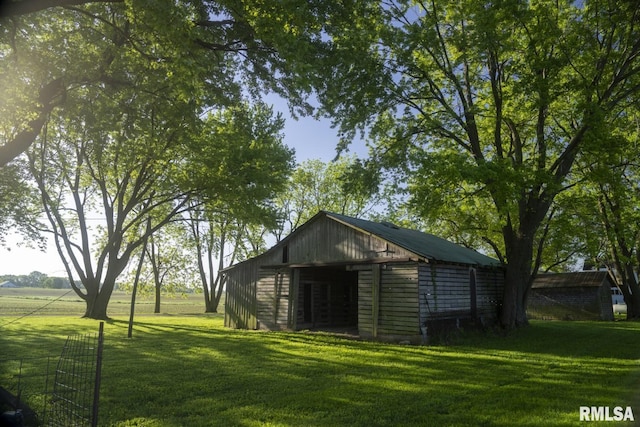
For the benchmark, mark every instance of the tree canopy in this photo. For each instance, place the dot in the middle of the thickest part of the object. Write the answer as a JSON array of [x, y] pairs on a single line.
[[486, 107], [492, 115], [128, 110]]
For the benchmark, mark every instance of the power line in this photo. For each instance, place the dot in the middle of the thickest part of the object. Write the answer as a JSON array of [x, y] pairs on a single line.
[[36, 310]]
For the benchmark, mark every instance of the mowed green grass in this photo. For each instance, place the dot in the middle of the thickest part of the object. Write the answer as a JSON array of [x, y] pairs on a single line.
[[23, 301], [188, 370]]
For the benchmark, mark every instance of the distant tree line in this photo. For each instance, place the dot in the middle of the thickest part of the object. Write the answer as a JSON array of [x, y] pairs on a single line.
[[35, 279]]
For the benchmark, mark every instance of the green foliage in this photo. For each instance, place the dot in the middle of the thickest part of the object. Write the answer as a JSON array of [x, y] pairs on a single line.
[[35, 279], [538, 376], [197, 53], [19, 204], [607, 201], [236, 166], [239, 159], [485, 107], [346, 185]]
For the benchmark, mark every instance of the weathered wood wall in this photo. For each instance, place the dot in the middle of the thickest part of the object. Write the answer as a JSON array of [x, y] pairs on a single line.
[[388, 300], [490, 290], [326, 240], [240, 300], [272, 298], [257, 298], [399, 300], [367, 327], [446, 291], [571, 303]]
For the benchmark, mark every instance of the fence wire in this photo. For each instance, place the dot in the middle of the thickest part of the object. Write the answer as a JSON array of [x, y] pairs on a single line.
[[57, 391]]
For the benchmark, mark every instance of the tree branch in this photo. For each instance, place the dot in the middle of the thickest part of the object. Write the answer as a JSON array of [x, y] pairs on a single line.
[[25, 7]]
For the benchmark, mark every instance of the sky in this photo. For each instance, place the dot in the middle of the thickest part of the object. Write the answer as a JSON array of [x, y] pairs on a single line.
[[311, 139]]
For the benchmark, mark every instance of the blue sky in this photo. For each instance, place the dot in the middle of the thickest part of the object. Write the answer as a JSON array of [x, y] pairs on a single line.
[[312, 139]]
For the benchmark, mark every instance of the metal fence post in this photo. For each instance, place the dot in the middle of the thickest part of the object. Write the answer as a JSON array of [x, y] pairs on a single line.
[[96, 389]]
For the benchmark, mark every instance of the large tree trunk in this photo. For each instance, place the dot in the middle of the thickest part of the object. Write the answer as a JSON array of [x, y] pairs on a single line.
[[98, 296], [630, 290], [97, 302], [518, 277], [633, 304]]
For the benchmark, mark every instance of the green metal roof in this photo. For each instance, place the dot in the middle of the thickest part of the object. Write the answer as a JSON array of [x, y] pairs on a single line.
[[422, 244]]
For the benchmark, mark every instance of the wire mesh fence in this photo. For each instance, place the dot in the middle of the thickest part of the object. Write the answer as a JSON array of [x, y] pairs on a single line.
[[55, 391]]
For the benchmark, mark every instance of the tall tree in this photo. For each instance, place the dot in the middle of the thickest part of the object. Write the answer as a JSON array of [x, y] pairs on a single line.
[[242, 153], [610, 209], [166, 266], [86, 168], [169, 263], [493, 101], [344, 186], [124, 83]]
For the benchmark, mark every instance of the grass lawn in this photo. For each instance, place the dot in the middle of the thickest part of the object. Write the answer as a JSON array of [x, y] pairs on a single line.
[[26, 301], [181, 370]]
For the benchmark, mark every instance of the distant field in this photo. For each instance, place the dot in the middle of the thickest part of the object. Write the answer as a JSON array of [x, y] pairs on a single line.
[[23, 301]]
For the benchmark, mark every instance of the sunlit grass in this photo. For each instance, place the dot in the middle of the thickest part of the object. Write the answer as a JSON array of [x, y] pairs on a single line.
[[191, 371], [24, 301]]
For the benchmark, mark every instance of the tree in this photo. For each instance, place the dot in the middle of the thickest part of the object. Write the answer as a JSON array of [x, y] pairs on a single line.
[[618, 208], [19, 207], [241, 151], [51, 50], [56, 283], [494, 102], [86, 168], [166, 265], [610, 195], [170, 265], [345, 186], [110, 82]]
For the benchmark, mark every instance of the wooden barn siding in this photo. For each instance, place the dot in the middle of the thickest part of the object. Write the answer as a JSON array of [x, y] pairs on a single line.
[[445, 289], [240, 300], [327, 240], [490, 290], [272, 299], [365, 307], [398, 301]]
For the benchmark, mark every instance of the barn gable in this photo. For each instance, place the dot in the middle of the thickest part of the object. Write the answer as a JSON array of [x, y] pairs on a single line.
[[338, 271]]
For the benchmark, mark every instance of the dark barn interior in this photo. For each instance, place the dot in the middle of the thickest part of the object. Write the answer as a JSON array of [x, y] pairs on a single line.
[[327, 298]]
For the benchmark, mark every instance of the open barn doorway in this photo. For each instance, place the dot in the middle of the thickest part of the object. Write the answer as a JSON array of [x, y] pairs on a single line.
[[327, 299]]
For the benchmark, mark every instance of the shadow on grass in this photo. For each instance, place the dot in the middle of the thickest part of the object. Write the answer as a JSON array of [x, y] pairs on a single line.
[[191, 371], [619, 340]]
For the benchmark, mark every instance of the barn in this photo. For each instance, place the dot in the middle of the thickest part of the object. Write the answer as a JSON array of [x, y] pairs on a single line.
[[580, 295], [376, 279]]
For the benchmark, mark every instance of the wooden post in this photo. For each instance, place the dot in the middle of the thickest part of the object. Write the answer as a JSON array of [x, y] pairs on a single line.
[[276, 294], [375, 299], [473, 293], [294, 288], [98, 377]]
